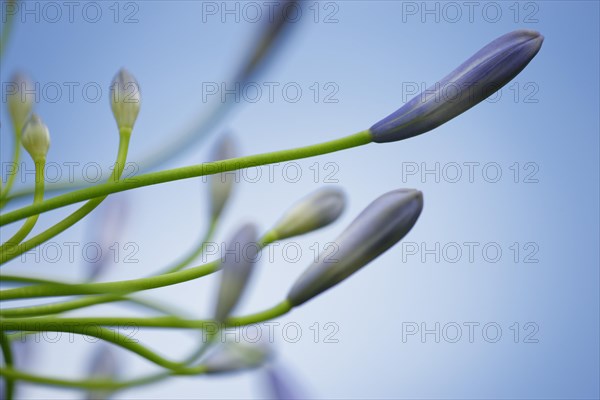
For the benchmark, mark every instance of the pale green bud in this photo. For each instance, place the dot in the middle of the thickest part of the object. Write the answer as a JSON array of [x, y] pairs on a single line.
[[315, 211], [125, 99], [36, 138]]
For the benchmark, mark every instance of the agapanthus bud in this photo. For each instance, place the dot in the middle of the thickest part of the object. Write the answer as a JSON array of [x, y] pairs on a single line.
[[103, 366], [381, 225], [479, 77], [236, 265], [315, 211], [232, 357], [19, 99], [36, 138], [125, 99], [280, 385], [221, 184]]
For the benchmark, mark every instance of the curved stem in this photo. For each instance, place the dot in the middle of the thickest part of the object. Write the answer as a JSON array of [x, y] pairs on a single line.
[[203, 124], [193, 171], [95, 327], [118, 287], [31, 221], [59, 307], [198, 250], [55, 288], [72, 219], [15, 161], [170, 322], [8, 23], [9, 389], [86, 384]]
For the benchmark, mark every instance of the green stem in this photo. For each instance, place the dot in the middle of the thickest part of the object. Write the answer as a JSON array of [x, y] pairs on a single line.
[[95, 327], [55, 288], [199, 249], [72, 219], [31, 221], [50, 323], [118, 287], [9, 389], [8, 23], [86, 384], [16, 158], [193, 171]]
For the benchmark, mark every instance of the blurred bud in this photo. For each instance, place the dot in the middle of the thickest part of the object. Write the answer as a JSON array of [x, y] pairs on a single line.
[[103, 366], [236, 265], [280, 386], [222, 183], [19, 100], [381, 225], [36, 138], [315, 211], [234, 357], [125, 99], [105, 231], [476, 79]]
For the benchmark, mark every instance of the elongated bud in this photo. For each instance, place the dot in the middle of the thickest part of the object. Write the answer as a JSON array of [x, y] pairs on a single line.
[[103, 366], [280, 386], [479, 77], [381, 225], [221, 184], [233, 357], [19, 98], [36, 138], [236, 265], [315, 211], [125, 99]]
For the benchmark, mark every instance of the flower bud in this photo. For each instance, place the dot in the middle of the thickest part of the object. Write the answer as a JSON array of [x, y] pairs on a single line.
[[20, 104], [125, 99], [381, 225], [103, 366], [232, 357], [479, 77], [315, 211], [236, 266], [36, 138], [221, 184]]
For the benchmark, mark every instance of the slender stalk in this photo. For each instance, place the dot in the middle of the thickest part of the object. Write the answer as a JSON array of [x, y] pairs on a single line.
[[59, 307], [86, 384], [193, 171], [118, 287], [95, 327], [8, 24], [170, 322], [198, 250], [15, 161], [72, 219], [55, 288], [9, 389], [31, 221]]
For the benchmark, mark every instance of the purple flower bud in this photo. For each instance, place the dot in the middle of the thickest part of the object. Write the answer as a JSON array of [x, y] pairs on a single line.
[[103, 366], [236, 266], [479, 77], [315, 211], [221, 184], [19, 98], [381, 225]]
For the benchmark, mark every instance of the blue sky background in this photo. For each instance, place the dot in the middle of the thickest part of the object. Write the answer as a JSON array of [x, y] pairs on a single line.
[[544, 125]]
